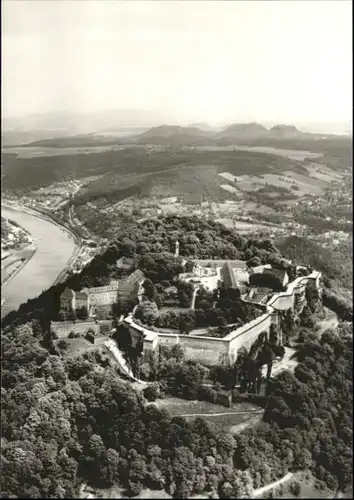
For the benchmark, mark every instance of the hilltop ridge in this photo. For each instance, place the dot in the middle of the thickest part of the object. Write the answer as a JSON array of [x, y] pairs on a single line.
[[197, 134], [238, 130], [285, 131]]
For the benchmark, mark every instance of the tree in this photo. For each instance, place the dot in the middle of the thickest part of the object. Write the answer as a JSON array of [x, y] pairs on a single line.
[[295, 488], [307, 319], [184, 300], [152, 391], [186, 324], [81, 313], [147, 312], [111, 470], [63, 344], [149, 289], [90, 336]]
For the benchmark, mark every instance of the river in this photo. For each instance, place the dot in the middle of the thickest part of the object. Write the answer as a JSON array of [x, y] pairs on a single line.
[[55, 247]]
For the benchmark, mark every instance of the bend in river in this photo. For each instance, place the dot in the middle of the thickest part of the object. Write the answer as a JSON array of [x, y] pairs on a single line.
[[55, 247]]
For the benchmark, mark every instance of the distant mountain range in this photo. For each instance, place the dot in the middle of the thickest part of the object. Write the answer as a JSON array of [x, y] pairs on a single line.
[[130, 126], [23, 130], [175, 135]]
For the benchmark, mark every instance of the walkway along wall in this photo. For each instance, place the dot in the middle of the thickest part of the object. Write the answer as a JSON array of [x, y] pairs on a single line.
[[211, 351]]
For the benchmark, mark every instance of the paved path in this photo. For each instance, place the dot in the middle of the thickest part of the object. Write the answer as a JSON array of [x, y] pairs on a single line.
[[249, 412], [113, 349], [260, 491]]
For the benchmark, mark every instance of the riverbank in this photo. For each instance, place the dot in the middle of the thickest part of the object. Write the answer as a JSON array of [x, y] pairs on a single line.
[[21, 261], [57, 248], [36, 212]]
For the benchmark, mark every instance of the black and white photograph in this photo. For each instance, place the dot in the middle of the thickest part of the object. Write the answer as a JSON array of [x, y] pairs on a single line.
[[176, 249]]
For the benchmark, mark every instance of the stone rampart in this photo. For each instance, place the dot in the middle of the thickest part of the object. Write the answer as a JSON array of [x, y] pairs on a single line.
[[285, 300], [247, 334]]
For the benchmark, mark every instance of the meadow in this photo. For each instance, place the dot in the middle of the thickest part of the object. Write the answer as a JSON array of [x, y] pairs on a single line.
[[232, 419]]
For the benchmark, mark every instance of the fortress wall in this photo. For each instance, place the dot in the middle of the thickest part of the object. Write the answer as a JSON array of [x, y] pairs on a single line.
[[282, 302], [167, 339], [150, 343], [248, 334], [254, 324], [285, 300], [63, 328], [136, 336], [208, 351], [138, 332]]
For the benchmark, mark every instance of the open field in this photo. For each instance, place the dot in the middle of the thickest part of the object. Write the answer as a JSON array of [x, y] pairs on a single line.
[[228, 188], [232, 419], [40, 151], [286, 153], [78, 346], [305, 184], [322, 172], [243, 227], [228, 177]]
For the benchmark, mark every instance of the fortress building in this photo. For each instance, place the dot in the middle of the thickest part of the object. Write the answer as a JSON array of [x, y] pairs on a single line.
[[234, 277], [125, 289], [273, 305]]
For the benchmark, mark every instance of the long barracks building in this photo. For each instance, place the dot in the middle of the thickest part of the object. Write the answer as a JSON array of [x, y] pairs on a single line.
[[123, 289]]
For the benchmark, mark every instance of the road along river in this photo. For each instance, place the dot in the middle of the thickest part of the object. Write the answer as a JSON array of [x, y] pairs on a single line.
[[55, 247]]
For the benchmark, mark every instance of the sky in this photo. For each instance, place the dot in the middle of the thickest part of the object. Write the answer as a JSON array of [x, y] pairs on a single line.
[[218, 62]]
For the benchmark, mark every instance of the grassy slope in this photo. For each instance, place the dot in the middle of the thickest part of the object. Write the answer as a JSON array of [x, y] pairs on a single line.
[[222, 418]]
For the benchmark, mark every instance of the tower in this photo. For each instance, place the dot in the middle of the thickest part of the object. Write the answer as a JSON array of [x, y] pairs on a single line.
[[177, 249]]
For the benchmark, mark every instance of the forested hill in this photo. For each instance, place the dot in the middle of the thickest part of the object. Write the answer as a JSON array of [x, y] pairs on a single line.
[[336, 267], [333, 263], [67, 420], [152, 242]]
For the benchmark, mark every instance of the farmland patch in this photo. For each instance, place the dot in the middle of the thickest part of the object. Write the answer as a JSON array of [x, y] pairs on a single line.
[[228, 188], [229, 177]]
